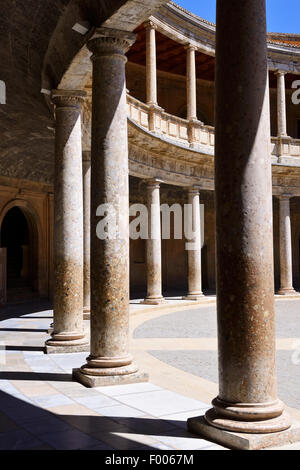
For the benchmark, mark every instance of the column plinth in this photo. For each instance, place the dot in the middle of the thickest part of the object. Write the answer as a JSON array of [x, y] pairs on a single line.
[[109, 361], [194, 253], [285, 240], [246, 412], [86, 178], [68, 332]]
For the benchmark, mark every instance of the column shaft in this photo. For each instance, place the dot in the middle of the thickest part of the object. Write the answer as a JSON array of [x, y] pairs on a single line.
[[154, 280], [281, 104], [285, 240], [247, 399], [68, 222], [109, 361], [194, 247], [151, 75], [86, 177], [191, 84]]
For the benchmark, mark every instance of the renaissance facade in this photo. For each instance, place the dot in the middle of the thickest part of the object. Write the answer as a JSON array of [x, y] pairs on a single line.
[[125, 94]]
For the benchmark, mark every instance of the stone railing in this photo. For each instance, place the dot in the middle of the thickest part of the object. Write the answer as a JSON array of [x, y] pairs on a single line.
[[284, 147], [195, 134], [155, 119]]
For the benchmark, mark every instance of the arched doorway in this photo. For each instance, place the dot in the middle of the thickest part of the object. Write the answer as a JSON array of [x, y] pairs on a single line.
[[19, 238]]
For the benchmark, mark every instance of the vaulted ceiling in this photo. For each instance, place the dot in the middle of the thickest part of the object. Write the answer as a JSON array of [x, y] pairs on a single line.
[[37, 43]]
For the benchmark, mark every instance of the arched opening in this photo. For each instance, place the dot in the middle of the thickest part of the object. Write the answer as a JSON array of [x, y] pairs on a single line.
[[20, 240]]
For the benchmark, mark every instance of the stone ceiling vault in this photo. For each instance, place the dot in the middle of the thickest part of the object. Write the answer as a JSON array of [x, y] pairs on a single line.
[[37, 44]]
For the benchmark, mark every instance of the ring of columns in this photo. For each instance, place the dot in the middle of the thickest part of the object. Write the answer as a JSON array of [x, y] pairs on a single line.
[[103, 134]]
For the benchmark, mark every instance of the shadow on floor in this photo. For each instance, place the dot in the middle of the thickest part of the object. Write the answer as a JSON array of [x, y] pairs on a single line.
[[17, 310], [46, 376], [26, 426], [25, 330], [24, 348]]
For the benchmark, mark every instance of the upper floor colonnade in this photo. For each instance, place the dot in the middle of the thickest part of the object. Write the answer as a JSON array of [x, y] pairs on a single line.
[[191, 86], [247, 402]]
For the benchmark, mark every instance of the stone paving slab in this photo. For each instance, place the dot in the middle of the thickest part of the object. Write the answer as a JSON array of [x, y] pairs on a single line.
[[42, 408]]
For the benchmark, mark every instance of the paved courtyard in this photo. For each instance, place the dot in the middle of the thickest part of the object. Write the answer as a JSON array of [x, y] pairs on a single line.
[[41, 408]]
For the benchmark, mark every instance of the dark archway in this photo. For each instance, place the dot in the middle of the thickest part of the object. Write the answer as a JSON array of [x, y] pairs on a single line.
[[20, 239]]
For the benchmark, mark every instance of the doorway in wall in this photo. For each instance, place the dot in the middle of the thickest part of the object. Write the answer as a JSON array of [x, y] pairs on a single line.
[[19, 239]]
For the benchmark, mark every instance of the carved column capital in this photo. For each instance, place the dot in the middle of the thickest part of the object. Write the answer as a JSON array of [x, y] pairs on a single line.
[[190, 47], [285, 197], [280, 72], [154, 183], [193, 190], [68, 98], [150, 25], [107, 41]]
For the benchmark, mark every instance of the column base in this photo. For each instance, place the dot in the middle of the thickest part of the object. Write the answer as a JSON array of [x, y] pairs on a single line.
[[193, 296], [153, 301], [287, 291], [126, 377], [244, 440], [63, 347]]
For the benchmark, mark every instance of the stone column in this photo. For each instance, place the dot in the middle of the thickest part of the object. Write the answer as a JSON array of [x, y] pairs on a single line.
[[154, 281], [68, 333], [191, 84], [247, 400], [110, 361], [86, 178], [194, 247], [281, 104], [151, 78], [285, 240]]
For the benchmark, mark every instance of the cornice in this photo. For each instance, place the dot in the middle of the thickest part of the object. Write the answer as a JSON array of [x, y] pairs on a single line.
[[183, 26]]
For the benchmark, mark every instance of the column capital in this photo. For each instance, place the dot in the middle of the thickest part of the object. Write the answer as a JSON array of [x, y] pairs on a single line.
[[190, 47], [280, 72], [193, 190], [107, 41], [285, 197], [68, 98], [154, 182], [150, 25]]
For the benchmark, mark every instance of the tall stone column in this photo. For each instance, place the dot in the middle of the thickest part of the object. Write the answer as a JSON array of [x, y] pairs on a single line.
[[68, 333], [109, 361], [86, 178], [194, 247], [151, 77], [285, 240], [247, 400], [154, 280], [191, 83], [281, 104]]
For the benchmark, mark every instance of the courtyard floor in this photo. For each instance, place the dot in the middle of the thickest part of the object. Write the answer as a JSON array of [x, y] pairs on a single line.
[[42, 408]]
